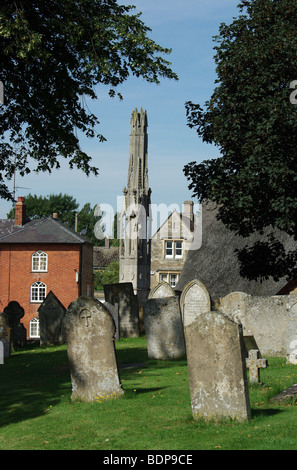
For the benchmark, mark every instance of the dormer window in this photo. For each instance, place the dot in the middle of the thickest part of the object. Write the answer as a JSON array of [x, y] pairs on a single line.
[[39, 261]]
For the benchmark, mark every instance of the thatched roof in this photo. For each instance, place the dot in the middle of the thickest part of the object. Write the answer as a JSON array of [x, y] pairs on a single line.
[[103, 256], [216, 263]]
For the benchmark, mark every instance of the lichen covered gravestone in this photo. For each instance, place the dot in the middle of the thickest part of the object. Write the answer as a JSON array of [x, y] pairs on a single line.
[[163, 289], [88, 330], [164, 328], [194, 300], [254, 363], [216, 365]]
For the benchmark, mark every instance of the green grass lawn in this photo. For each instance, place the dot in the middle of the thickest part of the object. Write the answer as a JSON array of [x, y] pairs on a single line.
[[36, 411]]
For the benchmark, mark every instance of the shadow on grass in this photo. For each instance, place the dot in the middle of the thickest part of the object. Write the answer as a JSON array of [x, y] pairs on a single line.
[[265, 413], [31, 382]]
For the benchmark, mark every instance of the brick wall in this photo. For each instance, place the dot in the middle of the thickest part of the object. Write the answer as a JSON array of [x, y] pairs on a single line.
[[16, 275]]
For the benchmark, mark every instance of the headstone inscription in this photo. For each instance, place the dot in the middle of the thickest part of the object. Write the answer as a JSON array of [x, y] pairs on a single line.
[[163, 328], [254, 363], [88, 330], [194, 300], [217, 371], [51, 314]]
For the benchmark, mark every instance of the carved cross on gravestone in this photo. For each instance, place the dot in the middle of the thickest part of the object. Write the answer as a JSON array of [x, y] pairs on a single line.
[[254, 364], [85, 315]]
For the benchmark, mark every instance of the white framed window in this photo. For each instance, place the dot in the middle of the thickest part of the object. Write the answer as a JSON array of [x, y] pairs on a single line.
[[34, 330], [163, 277], [173, 249], [39, 261], [170, 278], [168, 249], [173, 278], [38, 292], [179, 249]]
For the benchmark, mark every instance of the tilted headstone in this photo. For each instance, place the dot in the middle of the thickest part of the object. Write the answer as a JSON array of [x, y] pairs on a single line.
[[254, 363], [217, 370], [163, 328], [123, 295], [194, 300], [13, 313], [51, 314], [88, 330], [163, 289]]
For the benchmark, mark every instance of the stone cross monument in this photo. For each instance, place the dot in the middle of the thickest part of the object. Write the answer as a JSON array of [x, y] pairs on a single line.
[[135, 249]]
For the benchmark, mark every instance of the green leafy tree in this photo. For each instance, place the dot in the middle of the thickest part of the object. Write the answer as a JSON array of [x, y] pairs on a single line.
[[110, 275], [38, 207], [53, 54], [86, 221], [251, 119], [67, 209]]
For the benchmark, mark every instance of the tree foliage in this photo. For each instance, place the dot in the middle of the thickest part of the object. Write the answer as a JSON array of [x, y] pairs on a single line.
[[251, 119], [53, 54], [66, 208]]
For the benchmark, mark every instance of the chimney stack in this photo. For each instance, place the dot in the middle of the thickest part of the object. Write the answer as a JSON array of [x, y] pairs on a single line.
[[20, 211], [188, 209]]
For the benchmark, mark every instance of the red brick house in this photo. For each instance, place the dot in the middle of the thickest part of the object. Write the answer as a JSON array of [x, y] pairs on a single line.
[[39, 256]]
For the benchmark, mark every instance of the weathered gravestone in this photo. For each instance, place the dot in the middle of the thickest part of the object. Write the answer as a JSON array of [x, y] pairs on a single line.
[[217, 371], [233, 305], [123, 295], [163, 328], [254, 363], [194, 300], [88, 330], [51, 314], [13, 313], [162, 290]]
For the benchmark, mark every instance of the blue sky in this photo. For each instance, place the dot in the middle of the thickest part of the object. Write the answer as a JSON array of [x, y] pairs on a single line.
[[187, 27]]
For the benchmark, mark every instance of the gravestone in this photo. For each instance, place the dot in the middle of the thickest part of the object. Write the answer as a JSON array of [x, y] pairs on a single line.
[[5, 336], [114, 311], [123, 295], [163, 289], [217, 370], [1, 352], [163, 328], [88, 330], [13, 313], [233, 305], [194, 300], [254, 363], [51, 314]]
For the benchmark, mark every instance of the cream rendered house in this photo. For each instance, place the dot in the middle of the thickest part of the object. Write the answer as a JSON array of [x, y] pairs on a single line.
[[170, 246]]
